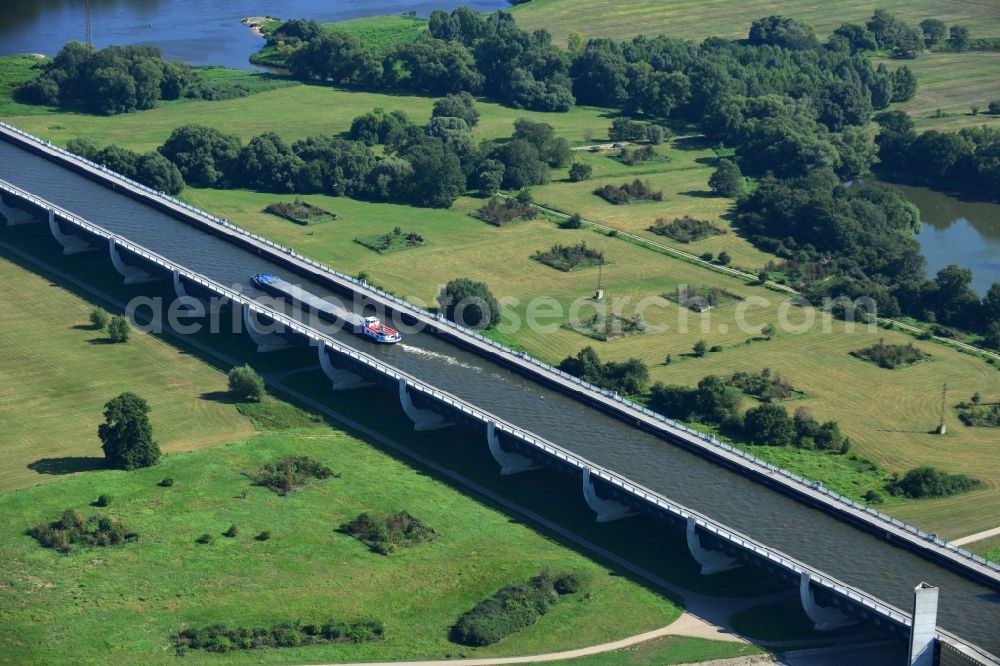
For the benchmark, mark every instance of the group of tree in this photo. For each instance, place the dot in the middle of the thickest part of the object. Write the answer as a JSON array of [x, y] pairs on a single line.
[[151, 169], [117, 79], [968, 159], [626, 377], [715, 401]]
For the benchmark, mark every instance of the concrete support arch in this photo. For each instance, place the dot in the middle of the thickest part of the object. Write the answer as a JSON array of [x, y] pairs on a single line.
[[266, 342], [510, 463], [823, 618], [179, 288], [132, 274], [423, 419], [71, 244], [711, 561], [341, 379], [607, 510], [16, 216]]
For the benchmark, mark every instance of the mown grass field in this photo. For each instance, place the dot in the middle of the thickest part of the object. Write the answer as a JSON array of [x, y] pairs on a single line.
[[57, 374], [697, 19], [888, 414], [111, 605], [953, 83]]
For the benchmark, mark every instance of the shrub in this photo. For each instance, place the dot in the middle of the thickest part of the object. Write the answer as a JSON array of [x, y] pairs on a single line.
[[763, 385], [73, 529], [715, 348], [700, 348], [637, 190], [727, 181], [299, 212], [99, 318], [119, 329], [511, 609], [624, 129], [245, 383], [500, 211], [580, 171], [568, 583], [628, 376], [205, 538], [264, 536], [707, 256], [685, 229], [219, 638], [700, 299], [574, 221], [570, 257], [166, 482], [103, 501], [384, 535], [994, 107], [290, 473], [724, 258], [639, 156], [892, 356], [923, 482], [232, 532]]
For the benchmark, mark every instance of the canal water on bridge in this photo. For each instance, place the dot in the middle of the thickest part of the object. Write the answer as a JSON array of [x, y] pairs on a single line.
[[968, 609]]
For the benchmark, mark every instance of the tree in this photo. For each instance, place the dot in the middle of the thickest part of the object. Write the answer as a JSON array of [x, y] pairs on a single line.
[[724, 258], [992, 337], [438, 67], [904, 84], [727, 181], [858, 37], [338, 57], [156, 171], [934, 31], [991, 303], [126, 434], [769, 425], [437, 175], [655, 134], [574, 221], [994, 107], [767, 330], [99, 317], [782, 31], [204, 155], [580, 171], [268, 164], [469, 303], [555, 151], [245, 383], [461, 105], [119, 329], [522, 164], [958, 37], [599, 73], [700, 348]]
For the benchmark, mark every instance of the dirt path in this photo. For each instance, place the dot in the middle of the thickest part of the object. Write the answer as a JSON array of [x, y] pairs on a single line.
[[978, 536]]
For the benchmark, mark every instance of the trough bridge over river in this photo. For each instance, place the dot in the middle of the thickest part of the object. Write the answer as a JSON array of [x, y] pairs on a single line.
[[842, 572]]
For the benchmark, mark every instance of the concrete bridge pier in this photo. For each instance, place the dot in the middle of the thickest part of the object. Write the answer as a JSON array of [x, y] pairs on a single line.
[[132, 274], [510, 462], [922, 634], [423, 419], [16, 216], [823, 618], [266, 342], [711, 561], [607, 510], [71, 244], [341, 379]]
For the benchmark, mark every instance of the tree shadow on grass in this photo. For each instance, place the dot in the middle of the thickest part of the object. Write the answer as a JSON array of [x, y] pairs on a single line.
[[223, 397], [101, 341], [701, 194], [68, 465]]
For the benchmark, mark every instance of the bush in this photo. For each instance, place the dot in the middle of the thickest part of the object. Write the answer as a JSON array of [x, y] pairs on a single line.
[[574, 221], [264, 536], [469, 303], [994, 107], [924, 482], [715, 348], [205, 539], [891, 356], [384, 535], [685, 229], [299, 212], [637, 190], [245, 383], [103, 501], [511, 609], [99, 318], [568, 583], [580, 171], [570, 257], [639, 156], [232, 532], [762, 385], [700, 348], [290, 473], [119, 329], [73, 529], [166, 482], [219, 638], [724, 258], [500, 211]]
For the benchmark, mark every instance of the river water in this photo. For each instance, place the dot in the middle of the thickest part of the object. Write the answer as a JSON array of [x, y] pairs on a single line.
[[968, 609], [199, 32]]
